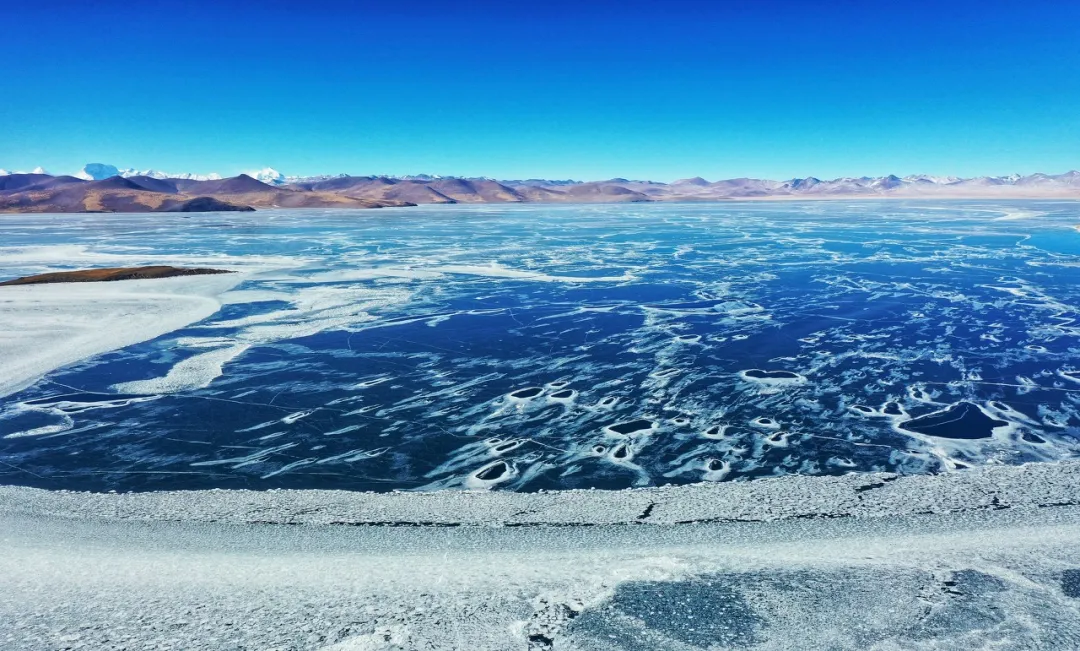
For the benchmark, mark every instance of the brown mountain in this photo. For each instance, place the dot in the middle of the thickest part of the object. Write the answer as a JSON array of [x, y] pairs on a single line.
[[411, 191], [604, 192], [44, 193], [154, 184], [252, 192], [109, 195], [475, 191], [242, 184], [542, 194], [379, 189]]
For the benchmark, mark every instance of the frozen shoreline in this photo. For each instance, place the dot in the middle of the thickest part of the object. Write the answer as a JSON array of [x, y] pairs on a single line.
[[789, 497], [46, 327], [987, 567]]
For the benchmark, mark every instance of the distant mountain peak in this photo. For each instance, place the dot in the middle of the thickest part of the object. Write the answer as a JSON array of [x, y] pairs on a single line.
[[268, 175]]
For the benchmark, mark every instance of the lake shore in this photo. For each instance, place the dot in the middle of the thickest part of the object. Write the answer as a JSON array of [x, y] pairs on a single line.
[[1033, 485], [958, 560]]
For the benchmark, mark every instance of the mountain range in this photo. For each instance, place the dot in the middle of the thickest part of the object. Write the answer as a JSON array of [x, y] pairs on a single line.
[[106, 188], [102, 171]]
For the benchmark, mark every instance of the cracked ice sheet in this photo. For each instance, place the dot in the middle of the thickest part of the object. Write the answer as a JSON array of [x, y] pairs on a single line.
[[520, 347]]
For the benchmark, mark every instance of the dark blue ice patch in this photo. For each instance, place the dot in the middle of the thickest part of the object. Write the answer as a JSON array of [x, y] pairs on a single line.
[[1070, 583], [493, 472], [631, 427], [961, 421], [523, 394], [703, 613], [758, 374]]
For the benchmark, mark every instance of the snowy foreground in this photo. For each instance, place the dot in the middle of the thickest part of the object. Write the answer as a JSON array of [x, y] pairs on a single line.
[[981, 559]]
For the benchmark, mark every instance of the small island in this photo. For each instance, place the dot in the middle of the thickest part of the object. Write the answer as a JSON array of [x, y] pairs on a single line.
[[111, 274]]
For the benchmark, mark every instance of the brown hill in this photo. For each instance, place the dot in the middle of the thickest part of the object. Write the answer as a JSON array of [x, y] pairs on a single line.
[[186, 186], [475, 191], [154, 185], [541, 194], [603, 192], [384, 189], [111, 274], [242, 184], [202, 204]]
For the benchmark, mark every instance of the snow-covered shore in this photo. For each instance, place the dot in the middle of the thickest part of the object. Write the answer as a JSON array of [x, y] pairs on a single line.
[[794, 496], [965, 560]]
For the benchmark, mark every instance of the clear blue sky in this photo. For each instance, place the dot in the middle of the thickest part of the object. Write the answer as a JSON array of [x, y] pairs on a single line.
[[586, 90]]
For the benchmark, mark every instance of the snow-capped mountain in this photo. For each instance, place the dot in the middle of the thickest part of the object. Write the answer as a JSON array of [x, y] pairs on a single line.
[[269, 176], [36, 170], [99, 171], [314, 179], [152, 173], [915, 185], [212, 176], [928, 178]]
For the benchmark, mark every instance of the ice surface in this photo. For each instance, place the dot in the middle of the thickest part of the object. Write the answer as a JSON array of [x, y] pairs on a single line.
[[193, 373], [755, 339], [45, 327]]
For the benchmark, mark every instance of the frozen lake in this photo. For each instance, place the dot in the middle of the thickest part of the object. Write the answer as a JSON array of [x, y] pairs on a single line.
[[539, 347]]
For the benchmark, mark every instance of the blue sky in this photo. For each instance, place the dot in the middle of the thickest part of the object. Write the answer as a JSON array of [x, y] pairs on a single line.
[[585, 90]]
